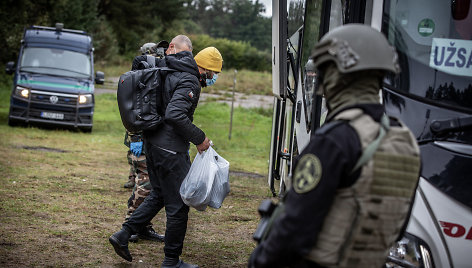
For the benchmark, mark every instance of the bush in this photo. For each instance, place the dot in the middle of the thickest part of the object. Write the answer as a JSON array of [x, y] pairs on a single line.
[[236, 54], [104, 42]]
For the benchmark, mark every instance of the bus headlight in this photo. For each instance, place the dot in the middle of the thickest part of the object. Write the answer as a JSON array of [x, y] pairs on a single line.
[[409, 252], [22, 92], [85, 99]]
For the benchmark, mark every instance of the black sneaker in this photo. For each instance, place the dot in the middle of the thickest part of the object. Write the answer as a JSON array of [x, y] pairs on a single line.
[[149, 233], [119, 241], [130, 183]]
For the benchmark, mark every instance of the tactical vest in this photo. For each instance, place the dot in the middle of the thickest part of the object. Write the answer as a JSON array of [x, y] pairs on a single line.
[[366, 218]]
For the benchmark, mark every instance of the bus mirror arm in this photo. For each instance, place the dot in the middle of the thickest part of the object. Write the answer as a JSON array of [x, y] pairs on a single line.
[[454, 124]]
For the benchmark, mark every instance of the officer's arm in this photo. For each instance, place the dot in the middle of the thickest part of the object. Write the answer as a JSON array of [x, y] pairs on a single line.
[[183, 100], [295, 232]]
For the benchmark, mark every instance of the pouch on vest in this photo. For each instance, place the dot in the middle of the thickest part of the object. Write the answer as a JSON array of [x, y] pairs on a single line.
[[269, 211], [139, 98]]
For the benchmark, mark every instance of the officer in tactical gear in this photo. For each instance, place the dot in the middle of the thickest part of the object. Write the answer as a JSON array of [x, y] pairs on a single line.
[[354, 182]]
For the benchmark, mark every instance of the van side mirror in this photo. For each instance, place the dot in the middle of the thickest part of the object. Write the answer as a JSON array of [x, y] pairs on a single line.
[[99, 77], [10, 67]]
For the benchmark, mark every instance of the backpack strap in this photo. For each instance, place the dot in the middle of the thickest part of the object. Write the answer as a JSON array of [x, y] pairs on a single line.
[[167, 69], [149, 63], [372, 147]]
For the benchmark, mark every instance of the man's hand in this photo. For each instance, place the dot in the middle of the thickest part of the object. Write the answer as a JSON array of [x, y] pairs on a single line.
[[203, 146], [136, 148]]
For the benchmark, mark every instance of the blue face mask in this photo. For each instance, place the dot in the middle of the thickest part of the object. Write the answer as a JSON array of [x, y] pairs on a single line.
[[212, 81]]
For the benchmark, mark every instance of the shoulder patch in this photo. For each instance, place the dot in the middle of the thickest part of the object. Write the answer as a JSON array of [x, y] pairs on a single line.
[[190, 94], [307, 174]]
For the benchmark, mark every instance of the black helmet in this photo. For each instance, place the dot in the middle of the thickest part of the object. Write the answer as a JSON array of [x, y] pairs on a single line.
[[356, 47]]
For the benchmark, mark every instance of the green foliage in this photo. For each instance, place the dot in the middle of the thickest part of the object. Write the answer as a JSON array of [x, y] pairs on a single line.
[[236, 54], [247, 82], [250, 136], [128, 20], [15, 15], [105, 43], [234, 20], [120, 27], [137, 22], [6, 83]]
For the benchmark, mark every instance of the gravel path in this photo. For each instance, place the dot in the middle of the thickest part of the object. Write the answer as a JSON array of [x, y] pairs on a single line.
[[240, 100]]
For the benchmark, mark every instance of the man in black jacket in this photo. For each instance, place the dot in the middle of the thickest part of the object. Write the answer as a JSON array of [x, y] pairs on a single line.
[[138, 176], [167, 155]]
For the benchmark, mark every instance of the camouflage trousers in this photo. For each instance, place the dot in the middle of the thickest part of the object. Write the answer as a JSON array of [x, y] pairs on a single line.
[[142, 186]]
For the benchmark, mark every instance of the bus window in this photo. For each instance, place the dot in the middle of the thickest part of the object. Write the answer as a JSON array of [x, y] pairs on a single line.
[[295, 13], [311, 35], [336, 16], [433, 40]]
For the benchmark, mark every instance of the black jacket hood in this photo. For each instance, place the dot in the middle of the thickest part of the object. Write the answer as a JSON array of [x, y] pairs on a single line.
[[183, 62]]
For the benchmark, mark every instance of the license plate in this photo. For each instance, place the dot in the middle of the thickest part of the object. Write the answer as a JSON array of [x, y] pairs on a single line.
[[52, 115]]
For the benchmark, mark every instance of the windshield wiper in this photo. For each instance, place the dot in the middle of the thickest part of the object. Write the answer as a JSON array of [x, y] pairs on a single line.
[[55, 68], [451, 125]]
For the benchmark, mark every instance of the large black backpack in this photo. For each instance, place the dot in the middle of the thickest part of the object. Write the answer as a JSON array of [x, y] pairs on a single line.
[[139, 97]]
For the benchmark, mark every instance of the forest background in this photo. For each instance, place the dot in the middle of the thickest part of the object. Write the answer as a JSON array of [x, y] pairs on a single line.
[[120, 27], [61, 192]]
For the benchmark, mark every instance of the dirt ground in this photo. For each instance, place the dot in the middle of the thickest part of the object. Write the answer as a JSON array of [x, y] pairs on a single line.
[[62, 196], [60, 213]]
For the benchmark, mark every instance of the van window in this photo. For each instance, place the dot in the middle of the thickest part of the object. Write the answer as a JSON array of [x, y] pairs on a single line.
[[56, 62]]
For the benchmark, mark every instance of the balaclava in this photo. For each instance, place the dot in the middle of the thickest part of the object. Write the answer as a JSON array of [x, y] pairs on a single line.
[[343, 90]]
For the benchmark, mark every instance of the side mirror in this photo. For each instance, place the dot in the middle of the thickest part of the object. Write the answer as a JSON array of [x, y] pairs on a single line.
[[99, 77], [10, 67]]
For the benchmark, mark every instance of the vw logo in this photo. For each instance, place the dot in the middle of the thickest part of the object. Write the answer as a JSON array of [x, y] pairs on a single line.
[[53, 99]]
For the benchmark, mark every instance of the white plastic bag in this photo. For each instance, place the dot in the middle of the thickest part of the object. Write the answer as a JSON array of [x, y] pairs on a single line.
[[220, 187], [207, 181]]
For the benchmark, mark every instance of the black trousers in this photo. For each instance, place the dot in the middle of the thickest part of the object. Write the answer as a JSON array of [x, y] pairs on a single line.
[[166, 173]]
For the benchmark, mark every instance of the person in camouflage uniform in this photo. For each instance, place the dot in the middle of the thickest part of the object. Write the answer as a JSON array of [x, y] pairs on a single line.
[[138, 170], [156, 50], [132, 169]]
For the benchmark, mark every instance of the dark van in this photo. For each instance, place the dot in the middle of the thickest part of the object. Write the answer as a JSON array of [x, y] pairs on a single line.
[[53, 82]]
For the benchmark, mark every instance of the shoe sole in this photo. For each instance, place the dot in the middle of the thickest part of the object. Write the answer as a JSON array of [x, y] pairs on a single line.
[[116, 245]]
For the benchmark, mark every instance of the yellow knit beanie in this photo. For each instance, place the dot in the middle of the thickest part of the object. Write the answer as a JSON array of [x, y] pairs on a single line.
[[210, 58]]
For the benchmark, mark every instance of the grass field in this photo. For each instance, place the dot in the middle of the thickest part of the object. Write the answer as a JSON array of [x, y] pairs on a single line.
[[62, 195]]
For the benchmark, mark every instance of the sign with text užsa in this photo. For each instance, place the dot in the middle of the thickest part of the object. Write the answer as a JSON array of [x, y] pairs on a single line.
[[452, 56]]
